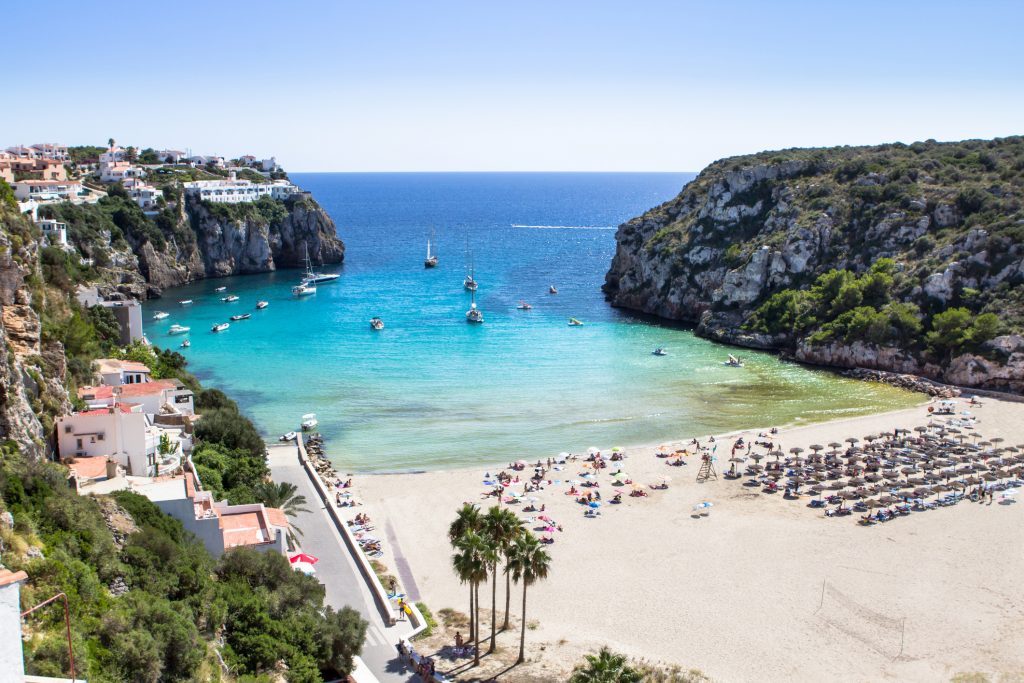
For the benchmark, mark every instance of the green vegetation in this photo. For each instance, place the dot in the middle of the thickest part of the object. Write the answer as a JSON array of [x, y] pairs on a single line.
[[842, 306], [605, 667], [175, 596], [265, 211], [7, 195], [230, 458], [428, 619], [85, 154]]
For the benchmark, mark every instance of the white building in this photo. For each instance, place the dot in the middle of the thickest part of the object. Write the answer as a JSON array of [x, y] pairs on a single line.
[[162, 396], [115, 372], [43, 190], [56, 232], [12, 661], [201, 160], [146, 196], [171, 156], [121, 433], [49, 150], [234, 191]]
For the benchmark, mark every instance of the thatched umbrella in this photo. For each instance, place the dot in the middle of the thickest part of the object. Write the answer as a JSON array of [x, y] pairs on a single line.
[[835, 446], [816, 447]]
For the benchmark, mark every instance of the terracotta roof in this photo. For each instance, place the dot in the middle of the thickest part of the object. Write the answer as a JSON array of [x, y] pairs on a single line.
[[276, 517], [123, 407], [245, 528], [89, 468], [115, 364], [140, 389], [48, 182], [7, 577], [190, 485]]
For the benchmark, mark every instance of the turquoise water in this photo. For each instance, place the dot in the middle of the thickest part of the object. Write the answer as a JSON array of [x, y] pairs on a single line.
[[430, 390]]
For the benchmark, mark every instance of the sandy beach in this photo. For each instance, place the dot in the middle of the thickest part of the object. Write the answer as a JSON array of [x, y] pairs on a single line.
[[763, 588]]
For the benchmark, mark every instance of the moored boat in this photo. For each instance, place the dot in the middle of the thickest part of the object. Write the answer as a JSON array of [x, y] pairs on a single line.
[[733, 362], [431, 260], [178, 329], [474, 314], [552, 290], [523, 306], [219, 327], [230, 298], [303, 289], [313, 278], [377, 323], [160, 315], [219, 289], [185, 344], [309, 421], [185, 302], [260, 305], [573, 322], [241, 316], [288, 436], [660, 352]]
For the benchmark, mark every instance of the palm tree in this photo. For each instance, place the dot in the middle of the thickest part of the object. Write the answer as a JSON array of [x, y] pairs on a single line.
[[605, 667], [528, 563], [285, 497], [472, 563], [462, 563], [467, 519], [502, 527]]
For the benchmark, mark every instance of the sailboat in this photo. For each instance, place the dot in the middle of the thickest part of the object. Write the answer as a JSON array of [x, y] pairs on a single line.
[[474, 314], [431, 260], [312, 278], [470, 282]]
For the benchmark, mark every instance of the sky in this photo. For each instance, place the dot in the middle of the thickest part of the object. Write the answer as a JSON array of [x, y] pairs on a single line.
[[553, 85]]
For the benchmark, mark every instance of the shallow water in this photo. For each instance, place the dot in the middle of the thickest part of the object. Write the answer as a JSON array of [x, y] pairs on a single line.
[[432, 391]]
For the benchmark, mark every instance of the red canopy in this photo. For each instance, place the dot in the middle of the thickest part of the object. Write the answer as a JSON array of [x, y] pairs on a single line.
[[303, 557]]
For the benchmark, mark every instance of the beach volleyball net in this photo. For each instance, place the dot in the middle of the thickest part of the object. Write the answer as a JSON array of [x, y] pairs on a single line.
[[884, 633]]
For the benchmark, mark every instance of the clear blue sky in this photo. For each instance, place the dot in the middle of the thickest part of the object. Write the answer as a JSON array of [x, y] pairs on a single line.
[[381, 85]]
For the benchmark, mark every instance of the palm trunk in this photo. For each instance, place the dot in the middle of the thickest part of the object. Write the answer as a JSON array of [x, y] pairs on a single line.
[[522, 631], [476, 642], [508, 596], [494, 606], [472, 624]]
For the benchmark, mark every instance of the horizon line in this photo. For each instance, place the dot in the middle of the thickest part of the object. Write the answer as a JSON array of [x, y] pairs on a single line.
[[496, 171]]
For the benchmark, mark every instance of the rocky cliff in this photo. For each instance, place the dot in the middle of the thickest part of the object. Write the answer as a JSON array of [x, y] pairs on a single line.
[[886, 257], [191, 240]]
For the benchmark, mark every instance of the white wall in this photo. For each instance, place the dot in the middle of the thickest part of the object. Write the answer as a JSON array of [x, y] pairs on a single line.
[[12, 663]]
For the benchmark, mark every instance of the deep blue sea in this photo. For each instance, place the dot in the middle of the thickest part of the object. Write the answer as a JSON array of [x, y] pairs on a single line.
[[432, 391]]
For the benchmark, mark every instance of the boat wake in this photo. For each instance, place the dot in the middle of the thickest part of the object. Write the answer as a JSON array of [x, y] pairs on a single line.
[[564, 227]]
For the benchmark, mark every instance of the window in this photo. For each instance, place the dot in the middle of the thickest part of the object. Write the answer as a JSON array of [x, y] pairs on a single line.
[[79, 446]]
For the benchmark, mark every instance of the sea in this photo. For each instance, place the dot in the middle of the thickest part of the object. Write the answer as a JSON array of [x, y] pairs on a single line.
[[431, 391]]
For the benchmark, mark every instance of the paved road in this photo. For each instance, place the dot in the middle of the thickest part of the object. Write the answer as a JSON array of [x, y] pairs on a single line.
[[338, 572]]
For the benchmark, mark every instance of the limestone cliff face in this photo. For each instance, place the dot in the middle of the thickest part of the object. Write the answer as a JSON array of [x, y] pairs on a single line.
[[949, 214], [31, 371]]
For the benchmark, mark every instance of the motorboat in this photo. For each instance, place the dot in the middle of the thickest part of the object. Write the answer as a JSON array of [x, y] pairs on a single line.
[[474, 314], [303, 289], [160, 315], [185, 344], [377, 323], [241, 316], [316, 278], [309, 421], [185, 302], [573, 322], [219, 289], [260, 305], [552, 290], [523, 306], [660, 352], [220, 327], [230, 298], [431, 260], [178, 329], [733, 362], [289, 436]]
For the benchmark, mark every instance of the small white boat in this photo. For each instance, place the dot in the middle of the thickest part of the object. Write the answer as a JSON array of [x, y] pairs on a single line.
[[660, 352], [474, 314], [470, 284], [733, 362], [523, 306], [377, 323], [185, 302], [552, 290], [220, 289], [431, 260], [573, 322], [178, 329], [185, 344], [309, 421], [241, 316], [160, 315], [220, 327], [260, 305], [230, 298], [290, 436], [303, 289]]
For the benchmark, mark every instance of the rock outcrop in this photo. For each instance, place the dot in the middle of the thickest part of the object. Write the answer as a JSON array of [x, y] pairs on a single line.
[[949, 214]]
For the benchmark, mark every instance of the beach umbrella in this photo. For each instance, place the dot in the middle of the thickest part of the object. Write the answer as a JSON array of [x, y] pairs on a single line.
[[703, 506], [594, 504], [816, 447], [835, 445], [796, 450], [303, 557], [617, 449], [737, 459]]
